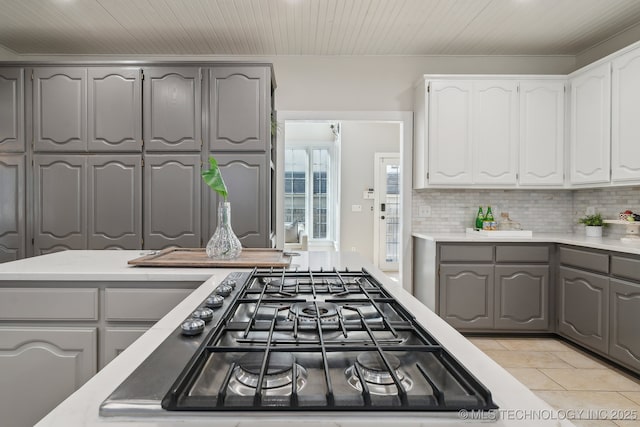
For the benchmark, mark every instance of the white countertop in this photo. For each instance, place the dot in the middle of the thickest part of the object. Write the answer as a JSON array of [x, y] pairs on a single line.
[[605, 243], [81, 408]]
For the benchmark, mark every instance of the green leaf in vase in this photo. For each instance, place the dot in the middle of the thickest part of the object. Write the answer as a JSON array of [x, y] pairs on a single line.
[[213, 178]]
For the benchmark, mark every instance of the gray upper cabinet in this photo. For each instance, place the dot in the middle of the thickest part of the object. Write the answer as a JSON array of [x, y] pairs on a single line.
[[522, 297], [624, 342], [60, 109], [114, 201], [239, 104], [60, 208], [247, 178], [467, 296], [583, 312], [12, 207], [172, 109], [172, 189], [12, 110], [114, 111]]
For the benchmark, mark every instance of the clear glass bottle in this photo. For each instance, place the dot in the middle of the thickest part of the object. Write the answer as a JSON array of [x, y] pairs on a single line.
[[224, 244]]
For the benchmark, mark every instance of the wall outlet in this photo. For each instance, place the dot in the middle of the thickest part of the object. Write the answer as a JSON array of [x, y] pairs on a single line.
[[590, 210], [353, 248], [424, 211], [356, 208]]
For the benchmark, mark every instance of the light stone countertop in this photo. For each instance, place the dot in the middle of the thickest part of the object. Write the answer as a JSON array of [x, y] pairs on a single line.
[[604, 243], [81, 408]]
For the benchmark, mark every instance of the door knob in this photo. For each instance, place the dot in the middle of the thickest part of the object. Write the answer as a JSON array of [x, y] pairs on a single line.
[[382, 217]]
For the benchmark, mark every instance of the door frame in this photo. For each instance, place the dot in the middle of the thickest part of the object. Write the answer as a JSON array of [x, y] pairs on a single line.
[[377, 157], [405, 118]]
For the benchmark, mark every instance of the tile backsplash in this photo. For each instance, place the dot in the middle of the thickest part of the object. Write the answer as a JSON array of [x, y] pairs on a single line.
[[542, 211]]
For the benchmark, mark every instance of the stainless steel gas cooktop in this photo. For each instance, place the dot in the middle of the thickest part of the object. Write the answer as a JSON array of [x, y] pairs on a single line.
[[281, 340]]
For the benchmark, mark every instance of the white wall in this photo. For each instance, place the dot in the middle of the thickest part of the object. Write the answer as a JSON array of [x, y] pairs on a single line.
[[359, 142]]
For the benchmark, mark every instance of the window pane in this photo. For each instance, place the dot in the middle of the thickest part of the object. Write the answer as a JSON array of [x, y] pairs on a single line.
[[320, 170], [295, 164], [392, 213]]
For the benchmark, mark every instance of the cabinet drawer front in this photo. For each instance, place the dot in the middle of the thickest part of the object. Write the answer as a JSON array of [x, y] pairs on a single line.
[[583, 259], [522, 254], [466, 253], [141, 304], [628, 268], [48, 304]]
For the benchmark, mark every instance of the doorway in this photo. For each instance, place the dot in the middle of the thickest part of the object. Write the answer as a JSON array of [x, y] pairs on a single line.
[[386, 230]]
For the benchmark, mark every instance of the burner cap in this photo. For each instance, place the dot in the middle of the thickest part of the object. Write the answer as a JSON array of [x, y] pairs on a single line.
[[310, 311], [279, 363], [372, 361]]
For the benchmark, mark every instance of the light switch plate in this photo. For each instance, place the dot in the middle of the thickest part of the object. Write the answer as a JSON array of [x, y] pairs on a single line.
[[356, 208]]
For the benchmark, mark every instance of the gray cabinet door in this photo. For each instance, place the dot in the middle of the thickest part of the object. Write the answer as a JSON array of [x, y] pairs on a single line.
[[114, 115], [624, 342], [466, 296], [12, 208], [12, 109], [60, 109], [60, 208], [583, 309], [172, 109], [114, 201], [239, 108], [247, 178], [172, 188], [522, 297], [40, 368]]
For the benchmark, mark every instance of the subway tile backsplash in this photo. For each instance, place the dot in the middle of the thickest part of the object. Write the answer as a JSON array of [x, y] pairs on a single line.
[[542, 211]]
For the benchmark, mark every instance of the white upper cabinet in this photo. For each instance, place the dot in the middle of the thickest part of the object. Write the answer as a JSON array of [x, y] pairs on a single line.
[[625, 117], [495, 132], [542, 113], [450, 132], [590, 125]]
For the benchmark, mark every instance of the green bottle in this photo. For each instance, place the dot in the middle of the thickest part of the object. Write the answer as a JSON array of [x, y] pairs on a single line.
[[489, 215], [479, 218]]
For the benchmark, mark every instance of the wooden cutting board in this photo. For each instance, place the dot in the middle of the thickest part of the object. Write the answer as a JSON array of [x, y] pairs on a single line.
[[197, 257]]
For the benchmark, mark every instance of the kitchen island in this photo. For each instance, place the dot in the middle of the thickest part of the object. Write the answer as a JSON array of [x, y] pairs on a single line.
[[518, 405]]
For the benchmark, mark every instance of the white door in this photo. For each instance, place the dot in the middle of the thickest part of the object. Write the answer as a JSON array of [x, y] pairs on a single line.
[[387, 211]]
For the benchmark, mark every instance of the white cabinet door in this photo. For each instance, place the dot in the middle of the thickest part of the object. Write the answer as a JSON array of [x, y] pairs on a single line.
[[590, 125], [40, 368], [495, 134], [542, 132], [625, 126], [450, 132]]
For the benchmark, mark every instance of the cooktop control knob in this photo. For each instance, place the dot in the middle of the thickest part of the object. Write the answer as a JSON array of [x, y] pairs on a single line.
[[214, 301], [203, 313], [230, 282], [224, 290], [192, 326]]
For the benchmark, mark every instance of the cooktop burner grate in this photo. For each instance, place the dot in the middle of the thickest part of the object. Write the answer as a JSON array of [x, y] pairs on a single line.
[[322, 340]]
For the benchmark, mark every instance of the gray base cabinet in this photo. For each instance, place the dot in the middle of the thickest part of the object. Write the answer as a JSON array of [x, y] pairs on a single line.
[[583, 304], [41, 367], [12, 207], [466, 296], [488, 288], [521, 297], [624, 330]]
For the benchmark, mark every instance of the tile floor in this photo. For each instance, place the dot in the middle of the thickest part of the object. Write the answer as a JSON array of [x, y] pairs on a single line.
[[566, 377]]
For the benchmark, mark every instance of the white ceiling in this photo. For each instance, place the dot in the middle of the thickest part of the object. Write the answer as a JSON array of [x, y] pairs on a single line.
[[312, 27]]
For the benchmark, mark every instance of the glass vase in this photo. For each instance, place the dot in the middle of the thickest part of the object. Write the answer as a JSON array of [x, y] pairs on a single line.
[[224, 244]]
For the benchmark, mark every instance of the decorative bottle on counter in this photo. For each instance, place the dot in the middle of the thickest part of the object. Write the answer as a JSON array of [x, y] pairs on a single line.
[[489, 221], [224, 244], [479, 218]]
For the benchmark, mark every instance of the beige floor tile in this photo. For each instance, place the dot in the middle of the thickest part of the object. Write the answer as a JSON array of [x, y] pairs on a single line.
[[534, 379], [534, 344], [571, 399], [628, 423], [526, 359], [591, 379], [487, 343], [580, 360], [632, 395], [593, 423]]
